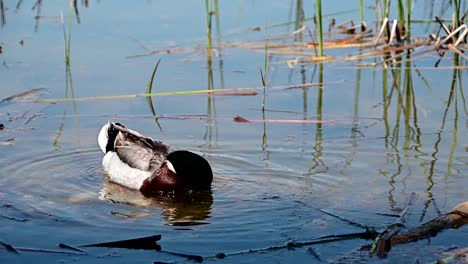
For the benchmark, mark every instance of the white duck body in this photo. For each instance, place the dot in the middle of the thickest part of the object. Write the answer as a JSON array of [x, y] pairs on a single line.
[[130, 158]]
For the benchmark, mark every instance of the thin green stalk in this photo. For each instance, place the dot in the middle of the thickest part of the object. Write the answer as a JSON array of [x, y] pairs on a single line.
[[218, 39], [208, 24], [150, 83], [456, 13], [319, 25], [361, 10], [408, 20], [265, 63], [387, 8], [149, 99], [401, 11], [129, 96]]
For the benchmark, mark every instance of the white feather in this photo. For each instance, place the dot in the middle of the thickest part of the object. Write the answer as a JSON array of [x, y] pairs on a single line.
[[170, 166], [119, 172], [103, 138]]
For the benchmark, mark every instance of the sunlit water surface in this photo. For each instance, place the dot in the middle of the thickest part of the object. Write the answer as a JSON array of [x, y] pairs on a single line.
[[271, 179]]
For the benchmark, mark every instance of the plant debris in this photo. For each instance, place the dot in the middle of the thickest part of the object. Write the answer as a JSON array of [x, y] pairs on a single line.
[[28, 95]]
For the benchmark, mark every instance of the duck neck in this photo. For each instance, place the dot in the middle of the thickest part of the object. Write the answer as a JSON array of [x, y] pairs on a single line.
[[162, 180]]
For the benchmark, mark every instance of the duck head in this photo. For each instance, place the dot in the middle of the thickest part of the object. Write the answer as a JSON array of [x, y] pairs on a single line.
[[181, 171]]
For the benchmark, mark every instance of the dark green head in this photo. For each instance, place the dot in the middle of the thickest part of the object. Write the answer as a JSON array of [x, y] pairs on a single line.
[[193, 169]]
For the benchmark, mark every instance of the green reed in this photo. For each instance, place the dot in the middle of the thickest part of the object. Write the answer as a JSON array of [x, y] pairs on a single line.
[[318, 10], [456, 13], [361, 10], [149, 99], [408, 20], [149, 88], [208, 24], [387, 8]]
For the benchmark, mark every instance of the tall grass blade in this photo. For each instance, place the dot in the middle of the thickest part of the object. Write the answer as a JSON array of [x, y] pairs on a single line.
[[150, 83], [319, 25], [361, 11]]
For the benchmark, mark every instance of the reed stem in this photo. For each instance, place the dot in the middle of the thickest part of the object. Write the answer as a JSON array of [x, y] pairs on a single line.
[[319, 25]]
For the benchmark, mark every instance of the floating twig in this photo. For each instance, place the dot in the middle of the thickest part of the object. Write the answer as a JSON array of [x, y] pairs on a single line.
[[290, 121], [23, 95]]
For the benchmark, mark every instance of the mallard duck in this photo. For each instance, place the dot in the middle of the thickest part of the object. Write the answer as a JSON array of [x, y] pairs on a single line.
[[150, 166]]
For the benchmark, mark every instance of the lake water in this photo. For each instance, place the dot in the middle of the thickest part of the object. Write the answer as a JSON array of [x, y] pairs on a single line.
[[386, 132]]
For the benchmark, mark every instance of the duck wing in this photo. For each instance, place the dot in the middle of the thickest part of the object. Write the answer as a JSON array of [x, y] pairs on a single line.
[[138, 151]]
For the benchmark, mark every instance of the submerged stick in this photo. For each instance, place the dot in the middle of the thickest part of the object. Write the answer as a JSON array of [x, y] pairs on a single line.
[[383, 243], [454, 219], [9, 247], [17, 250]]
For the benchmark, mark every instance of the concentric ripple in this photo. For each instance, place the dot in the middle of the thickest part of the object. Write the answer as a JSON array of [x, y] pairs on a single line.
[[69, 185]]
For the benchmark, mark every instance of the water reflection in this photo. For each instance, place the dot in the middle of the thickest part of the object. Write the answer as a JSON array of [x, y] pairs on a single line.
[[69, 90], [211, 122], [2, 13], [318, 165], [403, 152], [186, 210]]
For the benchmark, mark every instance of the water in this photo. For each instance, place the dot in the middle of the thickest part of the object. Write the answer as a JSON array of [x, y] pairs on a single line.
[[271, 178]]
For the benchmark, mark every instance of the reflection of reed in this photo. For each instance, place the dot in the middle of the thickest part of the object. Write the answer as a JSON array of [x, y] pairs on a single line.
[[456, 76], [77, 13], [318, 165], [68, 80], [452, 101], [38, 7], [405, 123], [264, 75], [149, 99], [2, 13], [211, 101], [406, 113]]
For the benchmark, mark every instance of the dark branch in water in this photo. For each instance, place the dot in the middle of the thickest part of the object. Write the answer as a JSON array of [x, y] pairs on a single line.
[[453, 219], [292, 245], [136, 243], [61, 245], [9, 247], [149, 242], [383, 243], [17, 250]]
